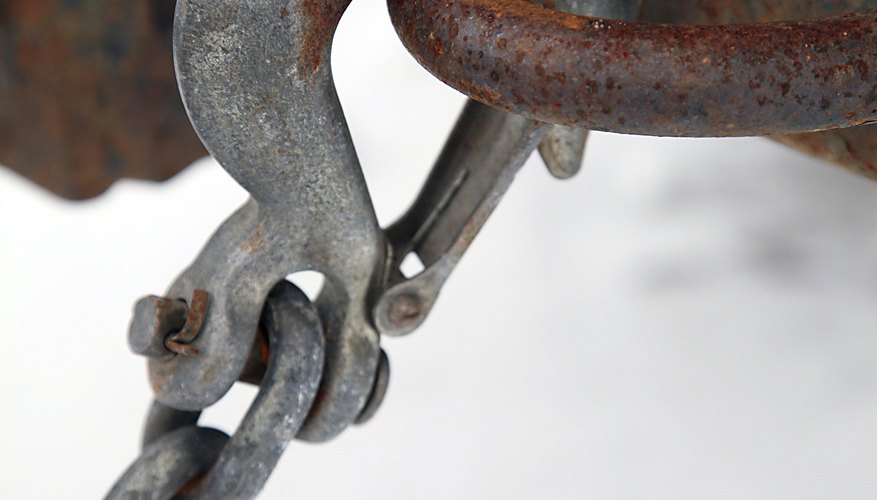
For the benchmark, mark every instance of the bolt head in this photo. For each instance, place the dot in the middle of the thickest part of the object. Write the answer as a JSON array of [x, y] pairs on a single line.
[[405, 310], [154, 319]]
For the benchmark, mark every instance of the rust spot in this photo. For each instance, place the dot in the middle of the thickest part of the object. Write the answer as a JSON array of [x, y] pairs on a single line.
[[257, 361], [862, 69], [435, 45], [824, 103], [405, 310], [321, 18], [182, 349], [192, 486], [157, 376], [179, 342], [256, 241]]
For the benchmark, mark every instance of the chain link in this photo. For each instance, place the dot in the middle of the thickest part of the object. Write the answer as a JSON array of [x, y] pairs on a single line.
[[237, 467]]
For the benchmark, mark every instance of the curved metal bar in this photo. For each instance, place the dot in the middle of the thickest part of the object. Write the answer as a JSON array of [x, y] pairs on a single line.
[[169, 464], [256, 81], [162, 420], [287, 392], [649, 79]]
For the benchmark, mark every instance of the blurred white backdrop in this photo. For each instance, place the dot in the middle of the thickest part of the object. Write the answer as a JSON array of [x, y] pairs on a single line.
[[684, 319]]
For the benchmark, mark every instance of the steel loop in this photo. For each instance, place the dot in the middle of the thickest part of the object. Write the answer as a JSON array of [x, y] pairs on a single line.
[[295, 365], [649, 79], [169, 464], [162, 420]]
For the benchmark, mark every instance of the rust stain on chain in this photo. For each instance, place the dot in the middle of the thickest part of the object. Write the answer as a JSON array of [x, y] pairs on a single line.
[[88, 94], [852, 148], [179, 342]]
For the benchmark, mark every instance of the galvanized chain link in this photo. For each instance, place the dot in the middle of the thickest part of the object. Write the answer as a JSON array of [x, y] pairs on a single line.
[[176, 451]]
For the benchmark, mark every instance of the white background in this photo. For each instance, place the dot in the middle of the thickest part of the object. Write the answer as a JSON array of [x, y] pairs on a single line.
[[685, 319]]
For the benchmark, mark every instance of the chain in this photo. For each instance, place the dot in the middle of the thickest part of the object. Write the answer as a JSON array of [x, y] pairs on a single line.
[[206, 463], [257, 84]]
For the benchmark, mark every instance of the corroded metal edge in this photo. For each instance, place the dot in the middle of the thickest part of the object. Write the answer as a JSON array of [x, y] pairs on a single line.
[[88, 94]]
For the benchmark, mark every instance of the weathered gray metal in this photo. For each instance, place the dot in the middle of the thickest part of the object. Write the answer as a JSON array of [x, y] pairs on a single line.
[[287, 391], [286, 394], [256, 82], [169, 464]]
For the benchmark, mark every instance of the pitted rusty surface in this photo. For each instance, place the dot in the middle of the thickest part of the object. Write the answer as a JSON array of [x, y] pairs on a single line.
[[854, 148], [323, 17], [746, 11], [88, 93], [642, 78]]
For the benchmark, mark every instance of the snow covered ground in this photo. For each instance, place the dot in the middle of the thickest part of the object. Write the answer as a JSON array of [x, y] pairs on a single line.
[[685, 319]]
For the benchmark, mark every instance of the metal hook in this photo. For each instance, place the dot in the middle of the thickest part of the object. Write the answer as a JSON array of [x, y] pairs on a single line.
[[256, 82]]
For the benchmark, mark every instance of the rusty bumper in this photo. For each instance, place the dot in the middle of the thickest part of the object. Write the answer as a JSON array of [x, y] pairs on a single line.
[[88, 93]]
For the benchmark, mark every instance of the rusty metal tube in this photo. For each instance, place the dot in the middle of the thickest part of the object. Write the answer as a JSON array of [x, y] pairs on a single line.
[[746, 11], [649, 79]]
